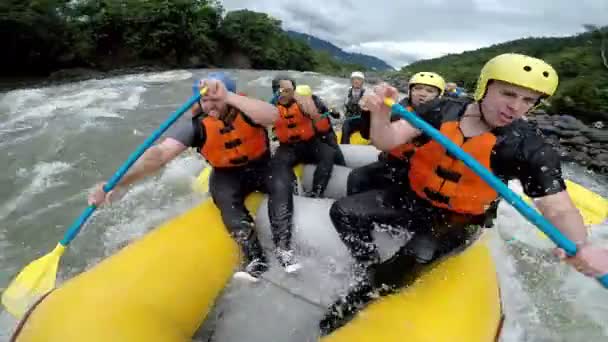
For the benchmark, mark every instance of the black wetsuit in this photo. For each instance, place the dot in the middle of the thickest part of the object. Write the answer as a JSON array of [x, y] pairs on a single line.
[[283, 180], [230, 186], [520, 153]]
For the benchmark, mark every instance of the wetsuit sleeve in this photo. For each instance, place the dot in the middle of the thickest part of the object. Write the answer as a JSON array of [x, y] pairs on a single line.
[[530, 160], [321, 107], [542, 171], [187, 132]]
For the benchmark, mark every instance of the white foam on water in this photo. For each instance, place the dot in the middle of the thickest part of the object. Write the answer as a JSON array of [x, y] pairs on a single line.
[[149, 203], [587, 296], [332, 92], [17, 100], [513, 296], [34, 214], [44, 176], [157, 77], [184, 170], [84, 103], [262, 81]]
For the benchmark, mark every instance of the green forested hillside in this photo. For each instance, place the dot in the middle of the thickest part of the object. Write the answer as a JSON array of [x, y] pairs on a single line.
[[583, 89], [42, 36]]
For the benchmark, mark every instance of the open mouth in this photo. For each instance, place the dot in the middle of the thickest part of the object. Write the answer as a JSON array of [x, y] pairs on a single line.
[[505, 117]]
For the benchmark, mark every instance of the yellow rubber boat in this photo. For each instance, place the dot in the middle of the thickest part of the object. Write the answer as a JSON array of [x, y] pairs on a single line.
[[158, 291]]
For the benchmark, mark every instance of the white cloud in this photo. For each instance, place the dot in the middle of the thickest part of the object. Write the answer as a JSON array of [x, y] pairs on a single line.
[[400, 31]]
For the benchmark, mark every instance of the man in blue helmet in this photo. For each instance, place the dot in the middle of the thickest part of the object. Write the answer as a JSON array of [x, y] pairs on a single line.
[[229, 131]]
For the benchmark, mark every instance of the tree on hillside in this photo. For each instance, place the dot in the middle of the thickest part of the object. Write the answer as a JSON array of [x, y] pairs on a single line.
[[601, 33], [260, 37], [34, 35]]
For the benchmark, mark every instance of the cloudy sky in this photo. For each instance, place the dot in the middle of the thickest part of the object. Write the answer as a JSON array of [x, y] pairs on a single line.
[[402, 31]]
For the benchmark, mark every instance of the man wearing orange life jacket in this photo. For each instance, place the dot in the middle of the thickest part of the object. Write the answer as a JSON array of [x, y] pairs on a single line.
[[323, 126], [228, 131], [299, 143], [447, 201], [392, 166]]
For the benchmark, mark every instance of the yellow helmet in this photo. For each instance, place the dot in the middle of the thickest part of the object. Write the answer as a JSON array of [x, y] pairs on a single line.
[[303, 90], [429, 78], [519, 70]]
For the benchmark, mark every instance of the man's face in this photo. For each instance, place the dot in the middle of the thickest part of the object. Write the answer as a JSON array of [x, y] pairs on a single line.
[[505, 103], [286, 91]]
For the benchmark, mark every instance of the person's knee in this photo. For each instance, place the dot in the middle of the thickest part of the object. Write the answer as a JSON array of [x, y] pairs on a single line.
[[340, 213], [358, 176], [355, 183], [327, 155], [424, 247], [281, 180]]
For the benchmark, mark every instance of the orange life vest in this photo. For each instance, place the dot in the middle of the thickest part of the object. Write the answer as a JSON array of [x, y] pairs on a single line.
[[322, 125], [292, 125], [446, 181], [232, 145], [403, 152]]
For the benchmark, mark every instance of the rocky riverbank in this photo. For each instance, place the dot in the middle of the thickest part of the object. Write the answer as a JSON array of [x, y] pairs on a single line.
[[576, 142]]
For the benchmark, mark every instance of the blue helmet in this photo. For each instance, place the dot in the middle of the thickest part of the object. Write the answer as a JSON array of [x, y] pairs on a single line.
[[229, 82]]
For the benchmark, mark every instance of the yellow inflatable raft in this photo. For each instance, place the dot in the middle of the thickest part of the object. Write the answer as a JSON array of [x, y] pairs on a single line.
[[162, 287]]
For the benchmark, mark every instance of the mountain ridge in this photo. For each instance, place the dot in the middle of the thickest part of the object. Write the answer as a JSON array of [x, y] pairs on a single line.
[[371, 62]]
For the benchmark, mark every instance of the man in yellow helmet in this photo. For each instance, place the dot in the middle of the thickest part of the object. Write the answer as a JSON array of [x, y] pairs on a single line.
[[446, 202], [391, 167]]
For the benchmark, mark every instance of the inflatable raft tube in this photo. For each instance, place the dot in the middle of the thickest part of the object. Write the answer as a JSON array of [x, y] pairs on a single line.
[[159, 288], [162, 287]]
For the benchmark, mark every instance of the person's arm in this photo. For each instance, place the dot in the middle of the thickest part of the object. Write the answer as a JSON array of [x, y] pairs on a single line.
[[260, 112], [538, 168], [590, 260], [149, 163], [563, 214], [384, 134], [540, 174], [321, 106], [387, 135], [153, 160]]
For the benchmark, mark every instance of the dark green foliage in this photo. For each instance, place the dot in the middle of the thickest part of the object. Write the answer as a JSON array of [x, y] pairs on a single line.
[[42, 36]]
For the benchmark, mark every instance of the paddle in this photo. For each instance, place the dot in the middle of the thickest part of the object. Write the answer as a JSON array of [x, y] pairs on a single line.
[[38, 278], [532, 215]]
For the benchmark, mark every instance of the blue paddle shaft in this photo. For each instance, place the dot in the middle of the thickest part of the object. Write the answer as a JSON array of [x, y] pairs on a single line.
[[82, 219], [512, 198]]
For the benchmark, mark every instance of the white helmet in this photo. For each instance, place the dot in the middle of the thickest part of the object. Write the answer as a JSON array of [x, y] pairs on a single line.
[[357, 74]]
